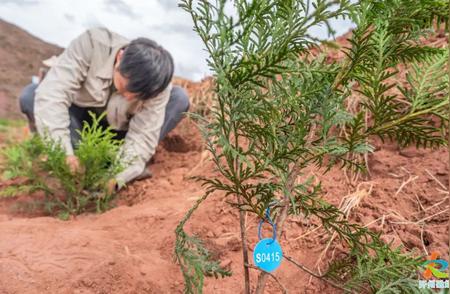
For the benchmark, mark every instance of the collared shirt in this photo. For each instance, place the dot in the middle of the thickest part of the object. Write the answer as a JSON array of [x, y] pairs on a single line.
[[83, 75]]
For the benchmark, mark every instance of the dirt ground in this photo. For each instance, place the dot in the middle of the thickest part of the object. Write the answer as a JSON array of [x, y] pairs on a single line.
[[129, 249]]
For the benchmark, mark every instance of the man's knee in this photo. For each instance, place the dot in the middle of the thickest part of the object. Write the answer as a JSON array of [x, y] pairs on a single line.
[[26, 99], [181, 99]]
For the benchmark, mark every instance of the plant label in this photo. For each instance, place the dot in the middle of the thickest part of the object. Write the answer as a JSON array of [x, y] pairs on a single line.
[[267, 255]]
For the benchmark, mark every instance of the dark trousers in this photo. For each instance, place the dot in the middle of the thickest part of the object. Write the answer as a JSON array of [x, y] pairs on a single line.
[[178, 103]]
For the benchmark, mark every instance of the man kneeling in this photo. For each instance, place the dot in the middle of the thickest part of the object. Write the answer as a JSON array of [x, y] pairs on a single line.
[[102, 71]]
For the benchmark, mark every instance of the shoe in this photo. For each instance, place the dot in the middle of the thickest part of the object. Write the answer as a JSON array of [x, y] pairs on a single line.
[[32, 127], [146, 174]]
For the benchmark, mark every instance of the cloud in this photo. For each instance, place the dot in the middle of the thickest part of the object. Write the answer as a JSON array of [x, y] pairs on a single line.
[[92, 21], [120, 7], [188, 70], [69, 17], [21, 2], [168, 4], [161, 20], [173, 28]]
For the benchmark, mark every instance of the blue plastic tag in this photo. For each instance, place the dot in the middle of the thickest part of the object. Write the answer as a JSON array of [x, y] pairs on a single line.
[[267, 255]]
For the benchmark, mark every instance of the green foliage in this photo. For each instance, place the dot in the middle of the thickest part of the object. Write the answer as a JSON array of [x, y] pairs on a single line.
[[18, 158], [379, 47], [12, 191], [42, 161], [194, 259], [99, 151], [384, 271], [280, 110], [6, 124]]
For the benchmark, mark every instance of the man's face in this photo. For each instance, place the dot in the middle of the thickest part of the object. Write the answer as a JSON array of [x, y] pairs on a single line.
[[121, 82]]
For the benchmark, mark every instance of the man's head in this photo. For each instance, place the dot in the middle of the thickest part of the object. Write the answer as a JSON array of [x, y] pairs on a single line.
[[142, 70]]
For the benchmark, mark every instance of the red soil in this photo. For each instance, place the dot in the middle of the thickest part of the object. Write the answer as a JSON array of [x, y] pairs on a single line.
[[129, 249]]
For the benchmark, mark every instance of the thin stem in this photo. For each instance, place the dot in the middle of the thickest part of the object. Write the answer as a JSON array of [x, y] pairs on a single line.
[[244, 248], [321, 277], [290, 184], [283, 288], [289, 187], [407, 117], [241, 214]]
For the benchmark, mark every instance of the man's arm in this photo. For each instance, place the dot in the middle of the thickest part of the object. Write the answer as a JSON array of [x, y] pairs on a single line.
[[143, 136], [55, 94]]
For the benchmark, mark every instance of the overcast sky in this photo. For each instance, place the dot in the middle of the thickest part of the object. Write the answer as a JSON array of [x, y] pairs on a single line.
[[60, 21]]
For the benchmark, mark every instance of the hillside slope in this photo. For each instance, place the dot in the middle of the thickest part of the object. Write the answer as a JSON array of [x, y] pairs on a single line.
[[21, 55]]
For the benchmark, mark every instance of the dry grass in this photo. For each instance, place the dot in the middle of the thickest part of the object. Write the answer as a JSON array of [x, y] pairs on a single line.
[[201, 94], [348, 203]]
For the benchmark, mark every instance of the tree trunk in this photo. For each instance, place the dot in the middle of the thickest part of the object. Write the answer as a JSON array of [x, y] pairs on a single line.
[[244, 250], [262, 278]]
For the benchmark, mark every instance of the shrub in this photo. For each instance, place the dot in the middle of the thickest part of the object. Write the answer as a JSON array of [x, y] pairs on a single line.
[[281, 109], [42, 163]]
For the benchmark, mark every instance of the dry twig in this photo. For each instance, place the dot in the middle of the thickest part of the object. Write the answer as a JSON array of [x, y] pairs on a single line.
[[410, 179], [421, 238], [347, 204], [307, 233], [434, 205], [318, 276], [283, 288], [436, 180], [420, 203], [421, 220]]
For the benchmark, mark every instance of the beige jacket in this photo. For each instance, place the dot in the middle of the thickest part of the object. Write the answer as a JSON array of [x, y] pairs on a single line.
[[83, 75]]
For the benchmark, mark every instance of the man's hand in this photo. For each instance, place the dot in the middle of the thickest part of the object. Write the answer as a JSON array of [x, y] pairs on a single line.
[[73, 163], [111, 187]]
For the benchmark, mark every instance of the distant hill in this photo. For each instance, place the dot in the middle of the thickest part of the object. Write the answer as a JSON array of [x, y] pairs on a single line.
[[21, 55]]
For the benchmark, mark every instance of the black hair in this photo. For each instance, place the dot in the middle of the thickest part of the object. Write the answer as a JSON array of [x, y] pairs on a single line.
[[147, 66]]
